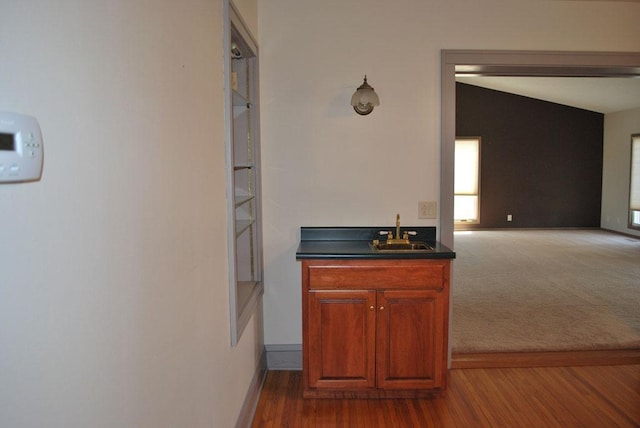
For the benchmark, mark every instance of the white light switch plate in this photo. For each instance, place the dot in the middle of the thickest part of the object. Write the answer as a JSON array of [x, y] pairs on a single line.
[[427, 209]]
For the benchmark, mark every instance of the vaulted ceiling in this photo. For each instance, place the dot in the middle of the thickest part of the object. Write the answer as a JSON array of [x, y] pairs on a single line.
[[600, 94]]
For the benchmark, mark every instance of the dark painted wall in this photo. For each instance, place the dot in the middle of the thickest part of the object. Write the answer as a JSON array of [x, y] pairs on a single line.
[[540, 161]]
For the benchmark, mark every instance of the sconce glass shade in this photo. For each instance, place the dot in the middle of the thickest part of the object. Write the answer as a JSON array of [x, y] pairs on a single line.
[[364, 99]]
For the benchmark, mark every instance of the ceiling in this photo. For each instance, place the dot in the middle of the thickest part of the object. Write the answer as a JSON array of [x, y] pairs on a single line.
[[599, 94]]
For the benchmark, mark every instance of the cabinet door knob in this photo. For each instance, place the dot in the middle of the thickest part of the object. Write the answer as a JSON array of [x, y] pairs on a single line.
[[381, 308], [371, 307]]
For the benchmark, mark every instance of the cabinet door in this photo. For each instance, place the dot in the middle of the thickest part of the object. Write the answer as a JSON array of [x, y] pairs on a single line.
[[341, 339], [410, 339]]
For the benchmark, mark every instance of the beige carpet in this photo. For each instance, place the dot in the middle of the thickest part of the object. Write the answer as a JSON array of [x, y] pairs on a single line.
[[545, 290]]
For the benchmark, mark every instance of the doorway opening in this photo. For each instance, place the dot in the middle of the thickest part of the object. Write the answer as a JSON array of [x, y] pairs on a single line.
[[508, 63]]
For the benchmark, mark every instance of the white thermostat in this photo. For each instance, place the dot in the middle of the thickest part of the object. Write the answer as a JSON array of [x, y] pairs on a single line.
[[21, 151]]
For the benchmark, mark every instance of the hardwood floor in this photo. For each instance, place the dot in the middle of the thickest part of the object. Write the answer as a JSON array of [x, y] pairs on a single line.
[[600, 396], [546, 359]]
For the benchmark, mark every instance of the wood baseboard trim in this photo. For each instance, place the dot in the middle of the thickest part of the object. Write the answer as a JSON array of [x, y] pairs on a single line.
[[546, 359]]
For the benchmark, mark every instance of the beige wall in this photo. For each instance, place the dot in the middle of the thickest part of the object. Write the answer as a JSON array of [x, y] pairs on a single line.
[[113, 270], [249, 11], [114, 307], [618, 128], [323, 164]]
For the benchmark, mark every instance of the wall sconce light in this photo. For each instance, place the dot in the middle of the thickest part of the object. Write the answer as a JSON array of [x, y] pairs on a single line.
[[364, 99]]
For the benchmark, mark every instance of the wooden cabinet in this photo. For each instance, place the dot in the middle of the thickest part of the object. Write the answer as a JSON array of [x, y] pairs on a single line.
[[375, 328]]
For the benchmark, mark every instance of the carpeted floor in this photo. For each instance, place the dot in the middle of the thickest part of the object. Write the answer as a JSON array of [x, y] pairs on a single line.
[[545, 290]]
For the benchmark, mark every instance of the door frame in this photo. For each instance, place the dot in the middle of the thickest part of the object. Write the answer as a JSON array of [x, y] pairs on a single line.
[[507, 63]]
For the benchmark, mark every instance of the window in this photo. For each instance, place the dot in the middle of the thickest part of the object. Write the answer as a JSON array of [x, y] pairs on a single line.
[[466, 198], [634, 183]]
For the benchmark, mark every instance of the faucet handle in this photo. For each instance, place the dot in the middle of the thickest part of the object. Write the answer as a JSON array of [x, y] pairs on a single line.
[[388, 233], [406, 233]]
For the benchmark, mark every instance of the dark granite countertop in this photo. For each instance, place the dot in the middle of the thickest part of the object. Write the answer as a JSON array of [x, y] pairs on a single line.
[[353, 243]]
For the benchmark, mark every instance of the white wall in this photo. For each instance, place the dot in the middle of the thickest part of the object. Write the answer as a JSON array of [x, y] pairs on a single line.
[[618, 128], [324, 165], [113, 268]]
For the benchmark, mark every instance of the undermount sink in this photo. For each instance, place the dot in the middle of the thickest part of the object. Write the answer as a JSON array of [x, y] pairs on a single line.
[[417, 247]]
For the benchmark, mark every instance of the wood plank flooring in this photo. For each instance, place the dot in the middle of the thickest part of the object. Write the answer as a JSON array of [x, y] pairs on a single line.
[[600, 396], [546, 359]]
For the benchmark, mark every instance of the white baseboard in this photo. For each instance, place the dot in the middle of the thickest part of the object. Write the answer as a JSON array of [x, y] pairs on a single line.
[[284, 357], [245, 419]]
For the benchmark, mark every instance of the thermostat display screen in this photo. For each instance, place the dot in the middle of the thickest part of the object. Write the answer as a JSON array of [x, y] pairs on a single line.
[[21, 148], [7, 142]]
